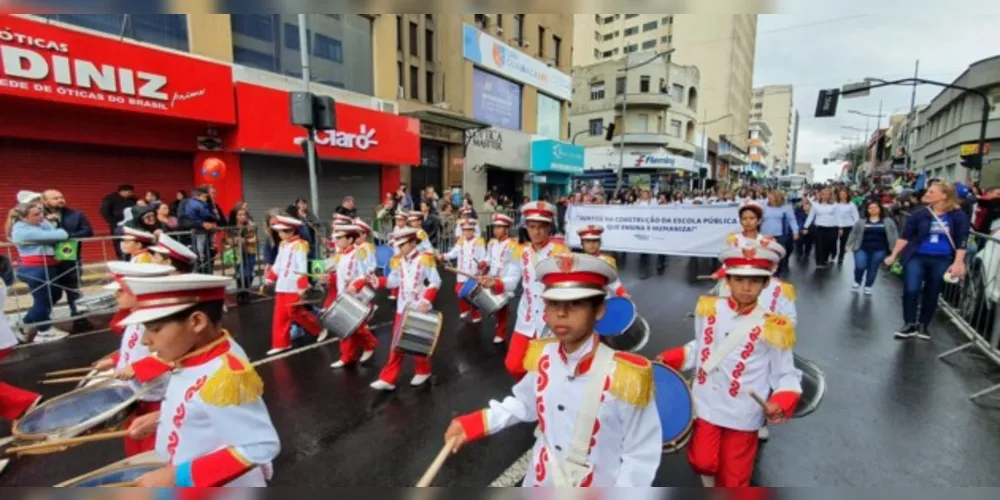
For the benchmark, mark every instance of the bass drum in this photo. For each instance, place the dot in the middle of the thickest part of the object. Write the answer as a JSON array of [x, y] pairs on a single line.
[[813, 387]]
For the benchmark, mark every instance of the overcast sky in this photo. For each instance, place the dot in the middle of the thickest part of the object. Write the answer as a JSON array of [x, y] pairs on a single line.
[[827, 49]]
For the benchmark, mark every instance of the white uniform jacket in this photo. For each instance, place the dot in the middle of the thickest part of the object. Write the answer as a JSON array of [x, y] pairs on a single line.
[[469, 254], [214, 427], [290, 267], [500, 254], [531, 308], [349, 265], [761, 362], [625, 442], [777, 297], [131, 352], [458, 230], [415, 276]]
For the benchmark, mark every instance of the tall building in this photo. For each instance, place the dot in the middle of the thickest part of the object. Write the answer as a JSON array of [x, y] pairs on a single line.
[[804, 168], [761, 148], [774, 105], [722, 47]]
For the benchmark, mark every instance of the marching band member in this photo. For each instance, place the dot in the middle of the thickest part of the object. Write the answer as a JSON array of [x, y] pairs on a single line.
[[538, 217], [465, 215], [500, 253], [751, 216], [135, 243], [415, 275], [740, 351], [415, 220], [133, 361], [291, 281], [214, 428], [590, 240], [170, 252], [338, 220], [573, 383], [351, 270], [470, 252], [364, 242]]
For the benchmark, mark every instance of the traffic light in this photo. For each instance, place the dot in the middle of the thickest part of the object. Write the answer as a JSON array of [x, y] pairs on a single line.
[[610, 133], [826, 160], [974, 162], [826, 103]]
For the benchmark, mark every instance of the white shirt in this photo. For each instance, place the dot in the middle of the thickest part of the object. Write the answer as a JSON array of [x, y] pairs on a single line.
[[350, 266], [290, 267], [190, 427], [469, 252], [847, 214], [823, 214], [413, 275], [500, 253], [627, 440], [132, 350], [722, 397], [531, 308]]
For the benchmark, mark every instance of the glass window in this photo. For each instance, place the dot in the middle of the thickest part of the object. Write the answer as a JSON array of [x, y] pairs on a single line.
[[429, 45], [675, 128], [648, 44], [644, 84], [597, 126], [414, 83], [519, 26], [292, 36], [556, 46], [399, 71], [541, 42], [631, 31], [650, 26], [643, 122], [631, 48], [252, 58], [430, 86], [399, 32], [630, 16], [677, 92], [609, 19], [549, 116], [607, 53], [620, 85], [597, 91], [165, 30], [413, 39], [328, 48]]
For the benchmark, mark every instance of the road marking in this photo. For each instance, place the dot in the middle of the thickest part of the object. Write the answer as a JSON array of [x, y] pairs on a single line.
[[516, 472], [314, 345]]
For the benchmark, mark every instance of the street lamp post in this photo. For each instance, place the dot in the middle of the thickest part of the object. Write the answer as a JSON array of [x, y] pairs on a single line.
[[621, 142], [704, 136]]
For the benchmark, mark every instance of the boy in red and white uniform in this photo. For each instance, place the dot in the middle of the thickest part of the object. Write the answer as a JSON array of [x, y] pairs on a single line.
[[135, 243], [415, 275], [170, 252], [499, 256], [213, 428], [415, 220], [598, 425], [751, 216], [291, 281], [338, 220], [470, 252], [364, 242], [133, 361], [351, 273], [400, 219], [590, 240], [538, 217], [740, 351], [465, 215]]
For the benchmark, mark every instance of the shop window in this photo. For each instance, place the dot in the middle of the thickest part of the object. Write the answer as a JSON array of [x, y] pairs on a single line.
[[165, 30], [328, 48]]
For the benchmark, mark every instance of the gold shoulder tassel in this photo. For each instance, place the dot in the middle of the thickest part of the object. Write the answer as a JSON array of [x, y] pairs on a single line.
[[788, 290], [632, 382], [234, 383], [706, 306], [779, 331], [534, 353]]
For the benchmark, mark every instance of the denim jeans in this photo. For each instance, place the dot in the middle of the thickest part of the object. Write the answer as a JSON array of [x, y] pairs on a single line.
[[246, 272], [202, 247], [867, 262], [69, 283], [43, 294], [923, 272]]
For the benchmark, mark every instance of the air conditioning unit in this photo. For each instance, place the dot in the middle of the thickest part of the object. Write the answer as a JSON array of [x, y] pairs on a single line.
[[400, 92]]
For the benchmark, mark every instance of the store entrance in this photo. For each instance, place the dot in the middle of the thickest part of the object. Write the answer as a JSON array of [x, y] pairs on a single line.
[[507, 183]]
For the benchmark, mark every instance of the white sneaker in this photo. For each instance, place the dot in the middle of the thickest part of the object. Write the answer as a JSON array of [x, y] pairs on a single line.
[[50, 336], [366, 355], [276, 350], [763, 434], [419, 380], [322, 335], [868, 290], [855, 287], [708, 481], [338, 364], [498, 340], [382, 385]]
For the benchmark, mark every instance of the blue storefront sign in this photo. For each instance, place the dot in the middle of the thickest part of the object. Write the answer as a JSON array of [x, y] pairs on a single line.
[[556, 156]]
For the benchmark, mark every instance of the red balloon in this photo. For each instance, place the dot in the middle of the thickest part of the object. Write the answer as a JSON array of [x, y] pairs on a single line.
[[213, 170]]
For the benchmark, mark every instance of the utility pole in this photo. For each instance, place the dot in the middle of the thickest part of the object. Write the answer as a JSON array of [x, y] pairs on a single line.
[[910, 117], [311, 133]]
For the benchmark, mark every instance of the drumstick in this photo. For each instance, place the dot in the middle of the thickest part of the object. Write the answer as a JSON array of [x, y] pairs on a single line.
[[70, 371], [123, 484], [59, 443], [67, 380], [756, 397], [461, 272], [442, 455]]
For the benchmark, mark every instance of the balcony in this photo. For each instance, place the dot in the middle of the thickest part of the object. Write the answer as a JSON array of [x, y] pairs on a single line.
[[681, 147], [645, 100], [643, 138]]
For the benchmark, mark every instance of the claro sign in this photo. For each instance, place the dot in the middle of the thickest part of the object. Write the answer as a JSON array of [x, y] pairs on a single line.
[[42, 61]]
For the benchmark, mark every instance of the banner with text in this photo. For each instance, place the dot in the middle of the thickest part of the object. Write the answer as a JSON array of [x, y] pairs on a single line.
[[687, 231]]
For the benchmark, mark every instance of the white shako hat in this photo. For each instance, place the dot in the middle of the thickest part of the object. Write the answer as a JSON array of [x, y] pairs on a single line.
[[346, 230], [403, 235], [174, 249], [160, 297], [539, 211], [415, 215], [502, 220], [341, 219], [749, 259], [285, 222], [574, 276], [773, 245], [591, 232], [363, 226], [400, 215], [120, 269], [133, 234], [468, 224]]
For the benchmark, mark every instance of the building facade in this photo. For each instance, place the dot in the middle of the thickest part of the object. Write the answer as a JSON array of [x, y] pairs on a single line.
[[952, 122], [804, 168], [722, 47], [774, 105]]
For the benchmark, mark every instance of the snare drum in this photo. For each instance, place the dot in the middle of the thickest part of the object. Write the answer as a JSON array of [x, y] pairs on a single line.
[[97, 303], [94, 378], [345, 315], [123, 471], [675, 406], [366, 294], [813, 387], [621, 328], [419, 332], [482, 299], [99, 407]]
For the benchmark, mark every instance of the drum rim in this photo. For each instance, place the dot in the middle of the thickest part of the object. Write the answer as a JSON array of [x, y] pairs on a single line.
[[690, 426], [465, 284], [645, 337], [630, 323], [361, 321], [437, 334], [75, 429], [820, 389], [116, 466]]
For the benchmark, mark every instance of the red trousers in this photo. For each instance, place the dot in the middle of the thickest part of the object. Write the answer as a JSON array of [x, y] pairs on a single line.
[[503, 319], [390, 374], [362, 338], [285, 314], [515, 355], [134, 447], [463, 306], [14, 401], [725, 454]]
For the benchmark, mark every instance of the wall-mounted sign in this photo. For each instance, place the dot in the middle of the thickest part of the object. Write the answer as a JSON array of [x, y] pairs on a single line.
[[496, 100], [498, 147], [503, 59], [555, 156]]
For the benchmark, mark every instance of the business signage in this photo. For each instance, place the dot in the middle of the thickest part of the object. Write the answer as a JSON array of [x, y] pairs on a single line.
[[498, 147], [555, 156], [608, 158], [503, 59], [51, 63], [496, 100], [362, 134]]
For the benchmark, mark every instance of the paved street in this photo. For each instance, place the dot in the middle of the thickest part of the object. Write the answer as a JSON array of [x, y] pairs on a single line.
[[893, 414]]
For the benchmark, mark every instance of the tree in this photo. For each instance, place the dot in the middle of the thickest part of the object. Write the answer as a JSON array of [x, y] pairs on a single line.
[[854, 153]]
